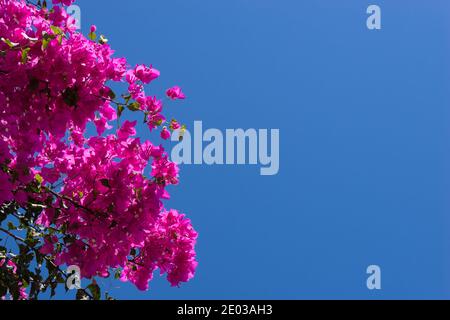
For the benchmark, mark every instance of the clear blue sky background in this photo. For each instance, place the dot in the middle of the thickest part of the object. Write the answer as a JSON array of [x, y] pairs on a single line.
[[364, 119]]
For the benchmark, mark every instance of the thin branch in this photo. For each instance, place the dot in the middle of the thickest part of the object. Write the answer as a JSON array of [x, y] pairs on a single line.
[[17, 238], [74, 203], [49, 260]]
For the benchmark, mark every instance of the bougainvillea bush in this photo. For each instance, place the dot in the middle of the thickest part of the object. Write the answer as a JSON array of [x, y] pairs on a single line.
[[67, 198]]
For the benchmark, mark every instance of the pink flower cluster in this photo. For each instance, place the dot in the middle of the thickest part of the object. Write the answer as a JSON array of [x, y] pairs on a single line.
[[169, 248], [53, 83]]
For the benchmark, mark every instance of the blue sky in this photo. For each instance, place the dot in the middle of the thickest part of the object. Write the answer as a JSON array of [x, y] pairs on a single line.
[[364, 124]]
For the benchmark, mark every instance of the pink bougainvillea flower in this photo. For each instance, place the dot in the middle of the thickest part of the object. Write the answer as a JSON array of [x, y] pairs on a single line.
[[64, 2], [175, 125], [175, 93], [146, 74], [165, 134], [127, 130]]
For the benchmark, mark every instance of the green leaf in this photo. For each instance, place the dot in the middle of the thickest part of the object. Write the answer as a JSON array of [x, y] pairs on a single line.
[[105, 182], [118, 274], [25, 283], [39, 178], [45, 43], [134, 106], [81, 295], [95, 290], [70, 96], [25, 54], [111, 94], [120, 109], [56, 30], [92, 36]]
